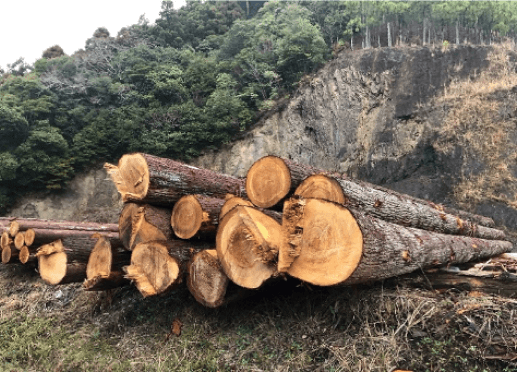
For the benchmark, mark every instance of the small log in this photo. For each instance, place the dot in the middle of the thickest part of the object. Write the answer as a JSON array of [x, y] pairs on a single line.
[[23, 224], [5, 239], [149, 179], [232, 201], [329, 244], [157, 267], [10, 255], [248, 242], [29, 237], [19, 240], [144, 223], [25, 256], [104, 267], [196, 215], [271, 179], [390, 207], [74, 238], [57, 266], [206, 280]]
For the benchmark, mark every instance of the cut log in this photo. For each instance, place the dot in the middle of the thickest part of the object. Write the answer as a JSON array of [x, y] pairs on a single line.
[[56, 265], [14, 227], [248, 242], [271, 179], [10, 255], [142, 223], [209, 284], [22, 224], [157, 267], [329, 244], [29, 237], [19, 240], [26, 257], [206, 280], [232, 201], [149, 179], [74, 238], [104, 268], [393, 208], [5, 239], [150, 223], [196, 215]]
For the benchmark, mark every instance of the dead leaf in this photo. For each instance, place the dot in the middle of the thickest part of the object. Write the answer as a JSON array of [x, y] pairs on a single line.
[[176, 327]]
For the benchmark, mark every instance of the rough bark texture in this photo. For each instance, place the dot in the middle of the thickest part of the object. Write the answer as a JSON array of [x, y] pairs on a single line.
[[248, 242], [196, 216], [149, 179], [387, 249], [36, 223], [75, 238], [402, 210]]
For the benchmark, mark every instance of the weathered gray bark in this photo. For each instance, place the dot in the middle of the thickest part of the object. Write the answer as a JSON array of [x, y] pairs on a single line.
[[401, 210], [391, 250]]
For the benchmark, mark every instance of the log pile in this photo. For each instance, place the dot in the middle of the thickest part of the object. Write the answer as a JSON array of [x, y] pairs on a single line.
[[225, 236]]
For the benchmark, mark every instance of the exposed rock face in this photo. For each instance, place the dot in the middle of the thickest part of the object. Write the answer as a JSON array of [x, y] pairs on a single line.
[[91, 196], [376, 115]]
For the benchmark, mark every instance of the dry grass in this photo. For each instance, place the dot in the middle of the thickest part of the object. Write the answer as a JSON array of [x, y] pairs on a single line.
[[481, 122], [287, 327]]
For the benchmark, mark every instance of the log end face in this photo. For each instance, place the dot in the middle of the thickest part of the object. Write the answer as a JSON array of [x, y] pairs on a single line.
[[232, 201], [328, 238], [131, 176], [6, 255], [14, 227], [243, 250], [24, 254], [53, 267], [187, 217], [206, 280], [321, 187], [268, 181], [19, 240], [30, 235], [100, 259], [5, 239]]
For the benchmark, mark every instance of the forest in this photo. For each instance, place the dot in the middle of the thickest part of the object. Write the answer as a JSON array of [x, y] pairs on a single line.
[[197, 76]]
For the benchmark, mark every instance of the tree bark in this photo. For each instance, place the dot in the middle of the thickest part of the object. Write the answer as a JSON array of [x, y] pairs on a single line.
[[196, 216], [149, 179], [157, 267], [73, 237], [272, 179], [36, 223], [331, 245], [395, 208], [248, 242]]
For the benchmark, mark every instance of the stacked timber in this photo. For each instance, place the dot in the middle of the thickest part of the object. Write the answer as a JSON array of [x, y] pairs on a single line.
[[283, 219], [225, 237]]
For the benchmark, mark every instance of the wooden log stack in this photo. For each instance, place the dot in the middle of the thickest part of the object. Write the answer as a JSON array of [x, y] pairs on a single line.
[[225, 236]]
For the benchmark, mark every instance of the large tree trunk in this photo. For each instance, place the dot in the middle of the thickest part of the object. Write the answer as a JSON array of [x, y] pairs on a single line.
[[104, 267], [149, 179], [144, 223], [393, 207], [248, 242], [271, 179], [329, 244], [196, 215], [157, 267]]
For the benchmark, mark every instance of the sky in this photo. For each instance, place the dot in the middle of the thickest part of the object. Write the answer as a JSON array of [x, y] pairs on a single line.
[[29, 27]]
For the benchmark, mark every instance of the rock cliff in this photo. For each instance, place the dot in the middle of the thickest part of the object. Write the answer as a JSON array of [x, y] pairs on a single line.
[[405, 118]]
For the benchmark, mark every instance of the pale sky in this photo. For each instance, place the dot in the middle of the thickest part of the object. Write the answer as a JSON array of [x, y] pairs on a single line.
[[29, 27]]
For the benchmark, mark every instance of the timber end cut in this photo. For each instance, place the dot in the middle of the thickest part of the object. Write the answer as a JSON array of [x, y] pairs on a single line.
[[150, 179]]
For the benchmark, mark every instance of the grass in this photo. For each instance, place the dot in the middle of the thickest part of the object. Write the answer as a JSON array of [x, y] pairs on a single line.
[[289, 327]]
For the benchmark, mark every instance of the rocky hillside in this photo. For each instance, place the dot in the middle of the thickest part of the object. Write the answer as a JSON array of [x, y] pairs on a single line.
[[439, 124]]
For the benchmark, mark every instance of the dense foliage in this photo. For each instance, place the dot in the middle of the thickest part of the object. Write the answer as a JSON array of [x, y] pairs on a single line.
[[196, 77]]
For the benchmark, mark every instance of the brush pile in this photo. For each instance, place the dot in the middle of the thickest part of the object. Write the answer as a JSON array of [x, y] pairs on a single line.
[[225, 236]]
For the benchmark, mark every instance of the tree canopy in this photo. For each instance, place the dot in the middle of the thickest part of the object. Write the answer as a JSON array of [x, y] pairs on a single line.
[[196, 76]]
